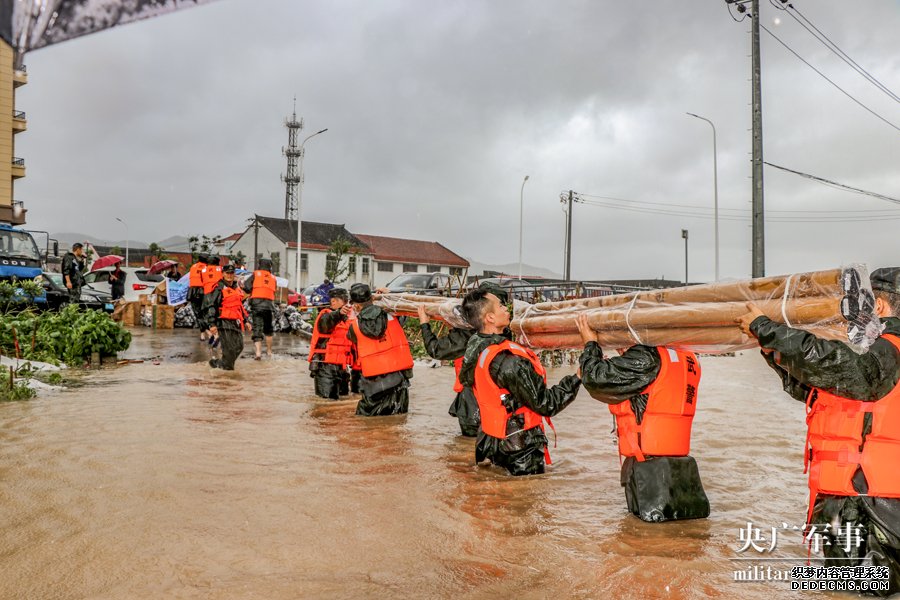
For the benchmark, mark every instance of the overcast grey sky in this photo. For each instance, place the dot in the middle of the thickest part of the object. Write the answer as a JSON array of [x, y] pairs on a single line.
[[437, 110]]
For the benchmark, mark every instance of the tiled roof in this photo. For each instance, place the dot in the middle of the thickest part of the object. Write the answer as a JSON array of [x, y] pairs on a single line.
[[315, 235], [411, 251]]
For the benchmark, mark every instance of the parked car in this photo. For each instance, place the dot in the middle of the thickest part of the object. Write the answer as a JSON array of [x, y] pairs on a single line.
[[518, 290], [58, 295], [137, 281], [429, 284]]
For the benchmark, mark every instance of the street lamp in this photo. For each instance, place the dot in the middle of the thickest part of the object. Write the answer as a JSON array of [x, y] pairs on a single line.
[[521, 214], [126, 238], [300, 205], [715, 188], [684, 234]]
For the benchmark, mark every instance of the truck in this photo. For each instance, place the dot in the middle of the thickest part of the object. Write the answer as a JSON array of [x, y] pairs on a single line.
[[20, 258]]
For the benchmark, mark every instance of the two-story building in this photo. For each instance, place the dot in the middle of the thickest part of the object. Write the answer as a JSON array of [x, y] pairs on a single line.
[[276, 239], [372, 259], [398, 255]]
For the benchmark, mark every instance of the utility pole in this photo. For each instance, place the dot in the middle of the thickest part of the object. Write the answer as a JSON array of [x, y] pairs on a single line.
[[759, 223], [255, 242], [569, 238], [684, 234], [759, 258]]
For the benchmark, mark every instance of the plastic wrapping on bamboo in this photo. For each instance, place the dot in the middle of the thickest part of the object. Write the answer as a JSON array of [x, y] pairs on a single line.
[[436, 307], [836, 304]]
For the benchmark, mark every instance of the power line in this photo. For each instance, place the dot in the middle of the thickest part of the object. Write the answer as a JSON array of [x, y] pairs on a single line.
[[828, 43], [836, 184], [780, 219], [842, 90], [884, 211]]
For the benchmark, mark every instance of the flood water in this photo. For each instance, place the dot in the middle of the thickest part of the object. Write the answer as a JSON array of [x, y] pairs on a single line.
[[173, 480]]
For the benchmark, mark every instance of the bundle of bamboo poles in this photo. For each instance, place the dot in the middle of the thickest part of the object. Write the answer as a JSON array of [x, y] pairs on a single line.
[[436, 307], [701, 317]]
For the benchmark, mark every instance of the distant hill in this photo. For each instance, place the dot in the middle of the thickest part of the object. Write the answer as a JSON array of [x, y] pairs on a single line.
[[477, 268], [67, 239]]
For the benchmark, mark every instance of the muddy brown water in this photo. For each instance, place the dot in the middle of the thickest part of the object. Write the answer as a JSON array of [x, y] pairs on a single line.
[[172, 480]]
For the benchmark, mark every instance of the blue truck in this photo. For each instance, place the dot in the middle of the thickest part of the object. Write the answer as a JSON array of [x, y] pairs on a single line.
[[20, 258]]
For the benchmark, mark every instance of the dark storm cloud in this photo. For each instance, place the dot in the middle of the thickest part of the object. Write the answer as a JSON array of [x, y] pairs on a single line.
[[437, 110]]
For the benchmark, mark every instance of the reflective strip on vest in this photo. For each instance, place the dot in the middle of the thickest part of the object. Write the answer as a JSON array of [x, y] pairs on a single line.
[[263, 286], [665, 428], [835, 436], [388, 354]]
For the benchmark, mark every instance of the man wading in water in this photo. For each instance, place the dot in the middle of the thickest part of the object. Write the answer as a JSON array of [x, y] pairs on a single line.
[[226, 315], [652, 392], [853, 439], [511, 389]]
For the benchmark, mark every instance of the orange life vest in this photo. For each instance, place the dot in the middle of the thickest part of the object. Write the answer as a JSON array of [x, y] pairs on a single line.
[[665, 428], [263, 285], [494, 416], [338, 349], [457, 364], [196, 274], [211, 277], [387, 354], [836, 448], [317, 336], [232, 305]]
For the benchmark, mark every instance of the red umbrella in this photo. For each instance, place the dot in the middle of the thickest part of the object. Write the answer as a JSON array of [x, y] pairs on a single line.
[[106, 261], [161, 266]]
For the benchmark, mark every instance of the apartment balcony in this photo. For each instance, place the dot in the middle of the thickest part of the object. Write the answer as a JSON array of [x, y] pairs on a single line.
[[18, 167], [19, 123], [20, 76], [14, 215]]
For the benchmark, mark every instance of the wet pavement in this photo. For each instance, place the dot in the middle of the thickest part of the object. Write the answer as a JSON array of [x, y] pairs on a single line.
[[179, 481]]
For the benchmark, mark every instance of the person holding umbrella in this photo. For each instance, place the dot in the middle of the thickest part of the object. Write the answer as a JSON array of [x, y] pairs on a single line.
[[117, 282]]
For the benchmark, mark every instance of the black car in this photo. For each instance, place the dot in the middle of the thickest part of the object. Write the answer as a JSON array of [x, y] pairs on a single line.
[[428, 284], [58, 295]]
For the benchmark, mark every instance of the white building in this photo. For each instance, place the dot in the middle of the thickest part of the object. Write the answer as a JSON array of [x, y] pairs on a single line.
[[394, 256], [373, 259], [276, 239]]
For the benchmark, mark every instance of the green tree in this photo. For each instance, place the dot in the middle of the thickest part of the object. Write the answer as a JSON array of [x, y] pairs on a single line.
[[334, 269], [158, 251], [238, 259], [117, 251], [203, 244]]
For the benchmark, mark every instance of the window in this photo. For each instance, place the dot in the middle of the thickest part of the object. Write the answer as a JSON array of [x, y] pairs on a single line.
[[351, 266], [410, 268], [304, 262], [385, 267], [331, 264], [432, 269], [456, 271], [365, 266]]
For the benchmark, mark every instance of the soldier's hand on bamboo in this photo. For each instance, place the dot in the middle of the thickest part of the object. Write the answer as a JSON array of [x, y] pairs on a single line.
[[587, 334], [423, 316], [744, 321]]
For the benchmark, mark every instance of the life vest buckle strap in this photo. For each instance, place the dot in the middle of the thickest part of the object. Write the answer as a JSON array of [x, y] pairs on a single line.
[[843, 457]]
